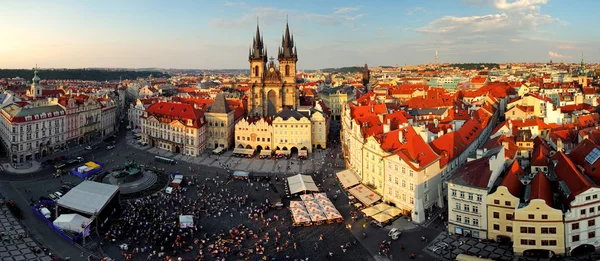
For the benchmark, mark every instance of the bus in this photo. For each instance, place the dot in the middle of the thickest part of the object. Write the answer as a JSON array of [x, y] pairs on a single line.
[[164, 160]]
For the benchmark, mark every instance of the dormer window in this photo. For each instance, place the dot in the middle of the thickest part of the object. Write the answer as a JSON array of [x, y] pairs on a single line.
[[189, 122]]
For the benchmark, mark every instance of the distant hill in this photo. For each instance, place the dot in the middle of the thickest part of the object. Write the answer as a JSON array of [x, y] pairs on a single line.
[[80, 74], [475, 66], [352, 69]]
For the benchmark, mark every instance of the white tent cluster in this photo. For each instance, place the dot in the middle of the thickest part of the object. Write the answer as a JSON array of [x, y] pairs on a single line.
[[314, 209]]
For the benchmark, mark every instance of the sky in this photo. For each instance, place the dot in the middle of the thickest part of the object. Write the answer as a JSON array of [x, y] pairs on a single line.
[[217, 34]]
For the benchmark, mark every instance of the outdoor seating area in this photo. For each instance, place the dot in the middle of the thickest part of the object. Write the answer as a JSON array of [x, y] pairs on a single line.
[[364, 195], [243, 153], [382, 213], [314, 209], [347, 178]]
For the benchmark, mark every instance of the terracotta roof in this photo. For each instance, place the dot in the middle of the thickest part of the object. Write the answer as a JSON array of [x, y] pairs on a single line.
[[476, 173], [174, 111], [567, 171], [509, 151], [578, 155], [541, 189], [511, 179], [540, 155]]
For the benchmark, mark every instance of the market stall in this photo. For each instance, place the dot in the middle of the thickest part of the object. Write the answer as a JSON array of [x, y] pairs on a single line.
[[365, 195], [347, 178], [301, 183]]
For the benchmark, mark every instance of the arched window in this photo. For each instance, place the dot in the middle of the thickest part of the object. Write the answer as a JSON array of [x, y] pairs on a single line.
[[256, 70], [287, 70]]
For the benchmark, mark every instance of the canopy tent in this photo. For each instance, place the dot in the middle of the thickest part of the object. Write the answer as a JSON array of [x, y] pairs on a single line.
[[296, 203], [325, 203], [382, 217], [317, 217], [347, 178], [311, 204], [239, 151], [186, 221], [301, 218], [282, 152], [327, 208], [301, 183], [313, 210], [72, 222], [370, 211], [364, 195], [333, 215], [218, 150], [249, 151], [302, 153], [393, 211], [382, 207], [299, 211], [320, 195], [266, 152], [307, 197], [88, 197]]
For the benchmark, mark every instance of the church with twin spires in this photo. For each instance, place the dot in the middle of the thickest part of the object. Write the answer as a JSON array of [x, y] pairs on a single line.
[[273, 86]]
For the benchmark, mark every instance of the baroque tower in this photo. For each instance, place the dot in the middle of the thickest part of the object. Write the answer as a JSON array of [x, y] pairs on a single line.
[[36, 89]]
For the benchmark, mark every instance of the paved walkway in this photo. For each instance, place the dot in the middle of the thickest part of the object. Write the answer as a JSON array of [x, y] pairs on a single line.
[[289, 166], [23, 168], [447, 247], [12, 248]]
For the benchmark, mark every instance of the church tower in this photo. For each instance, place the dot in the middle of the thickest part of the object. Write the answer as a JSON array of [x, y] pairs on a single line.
[[257, 57], [287, 57], [36, 89], [366, 75]]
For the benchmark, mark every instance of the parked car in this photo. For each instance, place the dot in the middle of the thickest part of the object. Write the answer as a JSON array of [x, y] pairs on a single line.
[[88, 148], [110, 147], [58, 194]]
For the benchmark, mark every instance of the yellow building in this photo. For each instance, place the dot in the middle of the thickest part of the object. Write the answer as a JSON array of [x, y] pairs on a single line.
[[336, 98], [538, 226], [292, 132], [502, 203], [253, 133]]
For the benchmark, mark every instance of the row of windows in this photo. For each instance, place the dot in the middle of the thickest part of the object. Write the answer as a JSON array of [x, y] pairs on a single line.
[[590, 223], [467, 220], [531, 242], [471, 196], [467, 208], [510, 216], [591, 234], [257, 139]]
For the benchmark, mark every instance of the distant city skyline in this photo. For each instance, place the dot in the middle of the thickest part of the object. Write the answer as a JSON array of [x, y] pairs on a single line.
[[216, 35]]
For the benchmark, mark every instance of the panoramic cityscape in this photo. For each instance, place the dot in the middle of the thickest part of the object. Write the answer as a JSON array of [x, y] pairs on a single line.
[[267, 130]]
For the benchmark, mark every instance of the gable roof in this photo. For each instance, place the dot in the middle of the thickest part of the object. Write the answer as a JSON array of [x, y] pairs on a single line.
[[511, 180], [541, 189], [578, 155], [476, 173], [567, 171], [219, 105]]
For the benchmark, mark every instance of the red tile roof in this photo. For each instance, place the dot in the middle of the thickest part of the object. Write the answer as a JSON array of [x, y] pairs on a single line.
[[511, 179], [540, 155], [476, 173], [175, 111], [568, 172], [541, 189], [509, 151], [578, 155]]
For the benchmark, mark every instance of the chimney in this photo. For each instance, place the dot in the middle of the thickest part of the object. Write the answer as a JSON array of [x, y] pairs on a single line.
[[386, 126], [401, 136]]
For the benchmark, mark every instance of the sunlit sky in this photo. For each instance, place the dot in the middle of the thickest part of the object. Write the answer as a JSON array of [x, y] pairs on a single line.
[[216, 34]]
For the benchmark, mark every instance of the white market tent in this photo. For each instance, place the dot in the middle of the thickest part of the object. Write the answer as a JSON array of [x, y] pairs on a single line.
[[295, 204], [307, 197], [301, 183], [72, 222], [347, 178], [364, 195], [186, 221], [88, 197]]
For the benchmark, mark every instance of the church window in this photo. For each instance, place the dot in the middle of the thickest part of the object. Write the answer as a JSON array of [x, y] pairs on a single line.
[[256, 70], [287, 70]]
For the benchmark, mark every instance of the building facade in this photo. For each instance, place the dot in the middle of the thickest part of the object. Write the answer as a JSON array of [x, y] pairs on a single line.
[[221, 124], [175, 127]]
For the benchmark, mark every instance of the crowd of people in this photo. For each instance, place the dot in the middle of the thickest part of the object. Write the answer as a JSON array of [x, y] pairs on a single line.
[[149, 227]]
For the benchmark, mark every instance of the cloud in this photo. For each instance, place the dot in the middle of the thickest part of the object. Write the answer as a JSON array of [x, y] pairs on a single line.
[[516, 40], [345, 10], [519, 5], [557, 55], [238, 4], [381, 34], [473, 24], [352, 18], [566, 47], [415, 10]]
